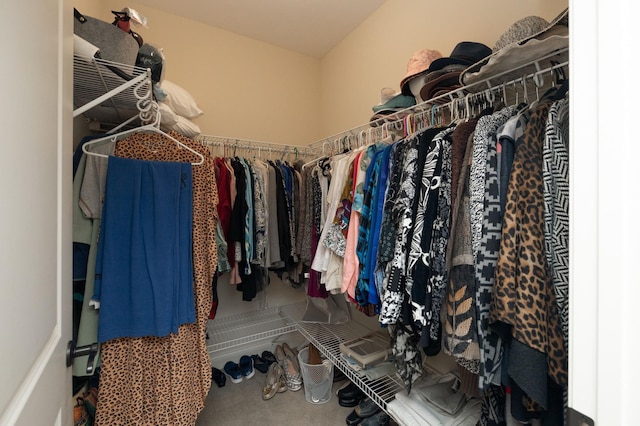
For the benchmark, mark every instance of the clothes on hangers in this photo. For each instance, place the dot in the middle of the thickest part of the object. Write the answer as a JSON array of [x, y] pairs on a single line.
[[85, 245], [260, 207], [323, 255], [369, 229], [177, 366], [426, 217]]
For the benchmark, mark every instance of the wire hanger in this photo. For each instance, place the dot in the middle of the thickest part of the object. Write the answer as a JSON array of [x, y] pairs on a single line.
[[149, 128]]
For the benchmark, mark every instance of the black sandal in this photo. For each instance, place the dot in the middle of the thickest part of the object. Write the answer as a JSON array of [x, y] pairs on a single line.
[[260, 364], [268, 357]]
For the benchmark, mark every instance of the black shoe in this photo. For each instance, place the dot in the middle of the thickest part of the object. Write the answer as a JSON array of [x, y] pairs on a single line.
[[349, 402], [351, 391], [366, 408], [268, 357], [260, 364], [353, 418], [218, 377], [352, 402]]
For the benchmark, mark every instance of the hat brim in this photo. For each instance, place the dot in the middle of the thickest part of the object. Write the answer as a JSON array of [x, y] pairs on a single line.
[[513, 61], [387, 115], [404, 84], [446, 79], [438, 64], [440, 91], [398, 101]]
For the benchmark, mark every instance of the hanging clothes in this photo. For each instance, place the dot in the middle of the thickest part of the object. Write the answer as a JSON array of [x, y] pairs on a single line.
[[165, 380], [460, 332], [420, 226], [486, 222], [339, 166], [315, 287], [388, 229], [332, 237], [87, 217], [263, 208], [524, 306], [555, 177], [369, 232], [224, 208], [437, 272], [397, 283], [260, 193], [276, 261], [422, 216], [350, 263]]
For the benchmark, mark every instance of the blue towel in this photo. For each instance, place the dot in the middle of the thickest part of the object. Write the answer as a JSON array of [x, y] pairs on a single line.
[[144, 269]]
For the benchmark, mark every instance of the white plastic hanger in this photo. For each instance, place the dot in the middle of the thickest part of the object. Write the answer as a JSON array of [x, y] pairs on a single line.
[[150, 128]]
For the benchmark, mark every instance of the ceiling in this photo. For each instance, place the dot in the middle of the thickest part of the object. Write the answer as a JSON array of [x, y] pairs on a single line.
[[310, 27]]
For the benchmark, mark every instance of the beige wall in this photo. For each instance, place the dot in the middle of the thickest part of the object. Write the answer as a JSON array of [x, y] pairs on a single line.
[[375, 55], [252, 90], [247, 89]]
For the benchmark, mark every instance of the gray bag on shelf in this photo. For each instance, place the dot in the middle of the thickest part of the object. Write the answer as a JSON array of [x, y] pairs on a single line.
[[115, 45], [330, 310]]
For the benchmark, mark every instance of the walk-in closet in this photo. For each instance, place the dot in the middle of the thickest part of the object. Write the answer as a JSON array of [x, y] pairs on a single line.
[[366, 213]]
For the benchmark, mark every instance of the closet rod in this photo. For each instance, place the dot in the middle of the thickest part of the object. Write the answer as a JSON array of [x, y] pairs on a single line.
[[248, 144], [381, 124]]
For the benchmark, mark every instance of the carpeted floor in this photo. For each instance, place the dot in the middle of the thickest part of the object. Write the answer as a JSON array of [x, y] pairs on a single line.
[[242, 404]]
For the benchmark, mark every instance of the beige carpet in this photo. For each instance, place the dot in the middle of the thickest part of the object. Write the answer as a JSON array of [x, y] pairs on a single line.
[[242, 404]]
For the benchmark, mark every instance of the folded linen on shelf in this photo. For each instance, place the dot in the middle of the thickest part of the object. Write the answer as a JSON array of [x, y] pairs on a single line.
[[375, 372], [435, 403]]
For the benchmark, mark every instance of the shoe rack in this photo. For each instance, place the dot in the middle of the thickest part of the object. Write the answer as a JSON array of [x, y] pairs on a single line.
[[236, 330], [327, 338]]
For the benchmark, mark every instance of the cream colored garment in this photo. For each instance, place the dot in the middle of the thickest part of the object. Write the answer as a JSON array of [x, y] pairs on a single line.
[[340, 165]]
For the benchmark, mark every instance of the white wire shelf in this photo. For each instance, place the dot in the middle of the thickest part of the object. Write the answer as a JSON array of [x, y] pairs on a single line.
[[109, 92], [228, 332], [327, 338]]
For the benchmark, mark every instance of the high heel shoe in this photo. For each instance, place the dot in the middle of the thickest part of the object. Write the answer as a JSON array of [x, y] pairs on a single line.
[[271, 383], [290, 367]]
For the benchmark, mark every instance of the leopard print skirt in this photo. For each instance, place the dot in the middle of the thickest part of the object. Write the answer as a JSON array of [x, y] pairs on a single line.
[[165, 380]]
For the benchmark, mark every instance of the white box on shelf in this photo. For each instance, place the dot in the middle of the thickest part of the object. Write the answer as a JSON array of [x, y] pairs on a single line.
[[367, 350]]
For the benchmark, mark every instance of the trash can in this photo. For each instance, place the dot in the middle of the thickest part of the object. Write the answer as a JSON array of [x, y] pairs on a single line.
[[317, 378]]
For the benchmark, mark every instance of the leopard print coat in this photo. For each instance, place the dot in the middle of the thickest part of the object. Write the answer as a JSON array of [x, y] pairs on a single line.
[[524, 298], [165, 380]]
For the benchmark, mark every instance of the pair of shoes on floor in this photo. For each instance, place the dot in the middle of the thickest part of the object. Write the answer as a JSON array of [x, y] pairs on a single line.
[[365, 409], [274, 382], [218, 377], [241, 370], [350, 395], [287, 358], [262, 362]]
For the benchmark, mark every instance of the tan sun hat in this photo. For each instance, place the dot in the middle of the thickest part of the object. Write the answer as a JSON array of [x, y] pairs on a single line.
[[419, 62]]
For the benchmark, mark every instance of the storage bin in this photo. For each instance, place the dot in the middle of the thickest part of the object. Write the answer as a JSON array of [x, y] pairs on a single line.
[[317, 378]]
